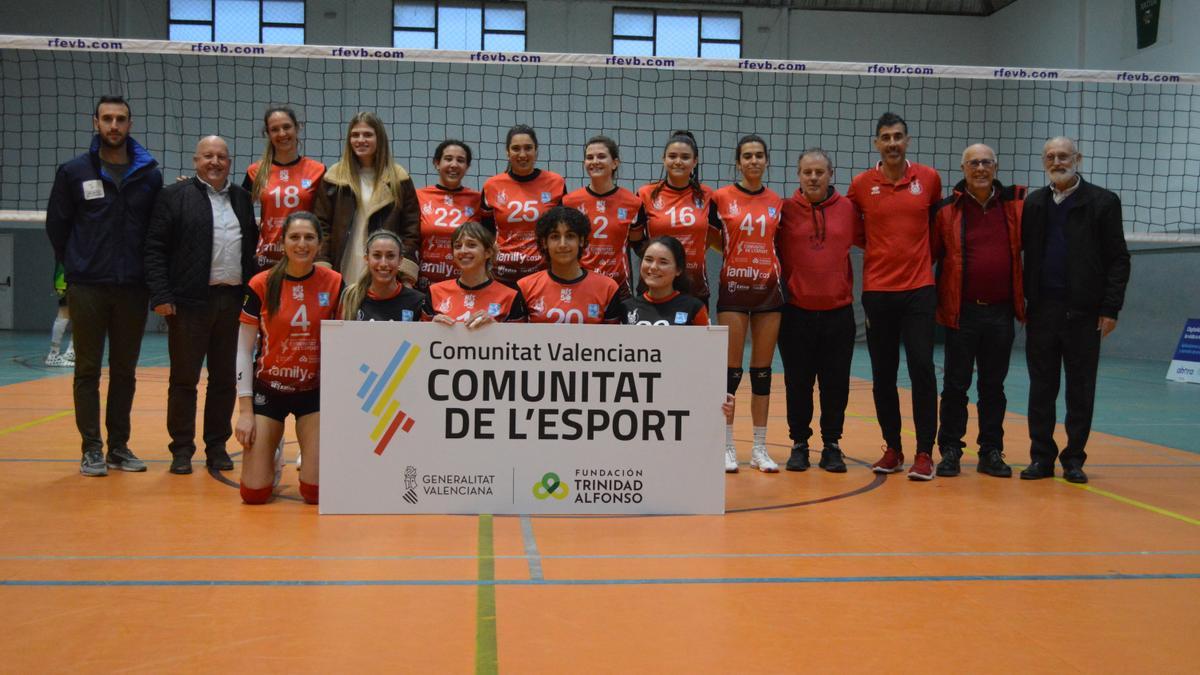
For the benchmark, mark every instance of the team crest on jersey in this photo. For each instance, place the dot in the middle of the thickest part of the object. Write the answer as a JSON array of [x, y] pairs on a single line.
[[283, 175], [444, 305], [915, 188], [681, 318], [545, 197], [600, 205], [537, 305], [406, 315], [501, 198], [468, 212], [494, 309], [323, 299], [427, 208], [658, 202], [699, 203], [469, 301], [593, 310], [564, 295], [631, 316], [733, 208], [874, 189], [771, 211], [622, 214], [305, 183], [298, 293]]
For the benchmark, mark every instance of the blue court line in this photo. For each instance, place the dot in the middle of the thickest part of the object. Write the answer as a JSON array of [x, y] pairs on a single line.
[[531, 549], [111, 583], [621, 556]]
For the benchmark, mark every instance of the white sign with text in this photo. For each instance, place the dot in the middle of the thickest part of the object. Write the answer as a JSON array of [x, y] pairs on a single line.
[[521, 418]]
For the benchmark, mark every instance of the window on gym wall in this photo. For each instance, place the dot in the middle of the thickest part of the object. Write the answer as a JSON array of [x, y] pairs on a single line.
[[494, 26], [253, 21], [654, 32]]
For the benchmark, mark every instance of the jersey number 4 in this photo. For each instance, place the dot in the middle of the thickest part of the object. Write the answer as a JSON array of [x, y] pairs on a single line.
[[300, 319]]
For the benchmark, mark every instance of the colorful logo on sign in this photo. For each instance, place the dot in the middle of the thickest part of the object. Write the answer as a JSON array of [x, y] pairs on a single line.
[[378, 396], [550, 486]]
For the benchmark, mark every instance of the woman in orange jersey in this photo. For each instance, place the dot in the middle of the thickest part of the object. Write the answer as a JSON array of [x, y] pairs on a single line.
[[613, 211], [750, 298], [290, 185], [363, 192], [284, 307], [514, 200], [384, 291], [567, 293], [473, 297], [444, 206], [679, 205]]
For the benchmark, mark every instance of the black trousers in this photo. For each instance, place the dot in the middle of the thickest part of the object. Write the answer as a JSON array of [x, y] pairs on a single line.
[[816, 347], [983, 341], [101, 312], [895, 317], [195, 333], [1060, 340]]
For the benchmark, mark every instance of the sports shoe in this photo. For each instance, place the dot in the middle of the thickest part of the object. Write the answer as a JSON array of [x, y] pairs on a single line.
[[922, 468], [891, 462], [759, 459], [92, 464], [951, 461], [731, 463], [69, 357], [56, 360], [991, 462], [181, 465], [799, 458], [832, 459], [124, 459]]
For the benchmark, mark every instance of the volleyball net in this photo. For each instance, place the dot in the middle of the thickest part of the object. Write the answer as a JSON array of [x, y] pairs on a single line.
[[1139, 132]]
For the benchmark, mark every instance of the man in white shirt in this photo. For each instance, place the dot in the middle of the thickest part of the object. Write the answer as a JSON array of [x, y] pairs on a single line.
[[199, 255]]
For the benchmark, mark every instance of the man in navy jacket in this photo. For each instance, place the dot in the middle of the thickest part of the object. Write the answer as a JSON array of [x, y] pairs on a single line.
[[96, 219], [1076, 269]]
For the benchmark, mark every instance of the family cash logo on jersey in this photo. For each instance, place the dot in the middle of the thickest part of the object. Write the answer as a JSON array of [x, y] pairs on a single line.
[[378, 395]]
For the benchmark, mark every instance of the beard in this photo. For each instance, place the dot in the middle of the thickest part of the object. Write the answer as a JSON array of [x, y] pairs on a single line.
[[1060, 176], [107, 141]]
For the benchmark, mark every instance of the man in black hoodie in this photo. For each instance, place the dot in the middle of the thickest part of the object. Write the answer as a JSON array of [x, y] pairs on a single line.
[[1076, 269]]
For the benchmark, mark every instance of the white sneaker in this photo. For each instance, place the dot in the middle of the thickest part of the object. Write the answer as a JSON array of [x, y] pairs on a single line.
[[759, 459], [69, 357], [57, 360], [731, 463]]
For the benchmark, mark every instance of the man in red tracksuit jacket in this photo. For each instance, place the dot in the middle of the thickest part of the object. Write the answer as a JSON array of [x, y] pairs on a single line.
[[977, 246]]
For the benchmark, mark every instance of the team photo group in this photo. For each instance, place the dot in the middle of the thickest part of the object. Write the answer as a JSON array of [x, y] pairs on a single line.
[[244, 294]]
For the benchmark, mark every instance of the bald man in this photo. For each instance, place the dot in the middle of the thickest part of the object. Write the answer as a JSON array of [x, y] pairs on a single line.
[[199, 255], [1076, 269], [977, 245]]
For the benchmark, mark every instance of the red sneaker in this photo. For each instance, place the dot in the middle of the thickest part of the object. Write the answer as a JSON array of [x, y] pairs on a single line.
[[891, 462], [922, 468]]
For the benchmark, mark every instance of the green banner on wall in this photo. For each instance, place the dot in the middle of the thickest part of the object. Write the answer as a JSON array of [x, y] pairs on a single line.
[[1147, 21]]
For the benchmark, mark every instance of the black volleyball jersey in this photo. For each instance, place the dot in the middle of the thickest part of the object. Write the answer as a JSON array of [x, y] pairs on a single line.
[[676, 309], [405, 305]]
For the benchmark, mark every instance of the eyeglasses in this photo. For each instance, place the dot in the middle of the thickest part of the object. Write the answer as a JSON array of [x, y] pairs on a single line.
[[980, 163], [1059, 156]]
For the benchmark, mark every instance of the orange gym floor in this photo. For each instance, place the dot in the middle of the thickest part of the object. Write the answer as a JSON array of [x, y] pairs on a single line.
[[807, 572]]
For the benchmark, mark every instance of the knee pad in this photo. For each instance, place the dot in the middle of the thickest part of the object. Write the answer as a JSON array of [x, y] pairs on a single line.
[[760, 381], [310, 492], [256, 495], [733, 379]]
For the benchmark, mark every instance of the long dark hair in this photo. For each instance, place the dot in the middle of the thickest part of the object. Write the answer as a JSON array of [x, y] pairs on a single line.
[[737, 152], [681, 283], [268, 156], [353, 296], [275, 276], [516, 130], [683, 136], [608, 143]]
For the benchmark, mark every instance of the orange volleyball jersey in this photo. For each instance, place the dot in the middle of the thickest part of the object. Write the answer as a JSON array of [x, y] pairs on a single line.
[[750, 272], [514, 205], [612, 216], [678, 213], [442, 211], [455, 300], [289, 359], [592, 298], [290, 188]]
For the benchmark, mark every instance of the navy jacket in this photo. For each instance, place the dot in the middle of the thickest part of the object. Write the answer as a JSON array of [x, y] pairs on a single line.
[[179, 242], [1097, 257], [101, 239]]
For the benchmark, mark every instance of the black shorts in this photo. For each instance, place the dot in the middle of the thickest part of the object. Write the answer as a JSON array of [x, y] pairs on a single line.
[[743, 310], [278, 405]]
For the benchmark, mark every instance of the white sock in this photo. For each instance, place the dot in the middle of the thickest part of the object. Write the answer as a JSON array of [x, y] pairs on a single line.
[[728, 436], [760, 437], [56, 333]]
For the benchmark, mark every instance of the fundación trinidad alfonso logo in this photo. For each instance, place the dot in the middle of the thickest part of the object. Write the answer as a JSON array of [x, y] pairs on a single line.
[[378, 393], [550, 486]]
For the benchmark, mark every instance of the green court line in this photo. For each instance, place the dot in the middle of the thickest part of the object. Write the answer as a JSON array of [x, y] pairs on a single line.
[[485, 603], [34, 423]]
